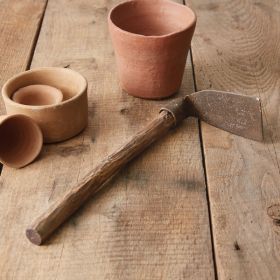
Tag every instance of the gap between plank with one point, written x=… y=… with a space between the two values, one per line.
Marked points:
x=205 y=173
x=36 y=37
x=204 y=170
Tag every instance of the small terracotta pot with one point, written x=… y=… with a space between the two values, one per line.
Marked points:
x=38 y=95
x=21 y=140
x=151 y=39
x=60 y=121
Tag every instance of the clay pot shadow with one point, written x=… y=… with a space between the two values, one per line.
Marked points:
x=21 y=140
x=151 y=40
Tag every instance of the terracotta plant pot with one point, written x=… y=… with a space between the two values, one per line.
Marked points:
x=151 y=39
x=21 y=140
x=60 y=121
x=38 y=95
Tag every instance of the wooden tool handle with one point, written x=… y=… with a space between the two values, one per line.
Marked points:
x=59 y=212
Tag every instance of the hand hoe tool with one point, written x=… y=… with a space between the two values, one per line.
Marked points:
x=232 y=112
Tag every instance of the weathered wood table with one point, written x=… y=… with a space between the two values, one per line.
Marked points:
x=195 y=205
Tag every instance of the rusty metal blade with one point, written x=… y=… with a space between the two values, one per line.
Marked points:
x=235 y=113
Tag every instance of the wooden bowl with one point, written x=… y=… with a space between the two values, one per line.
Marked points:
x=60 y=121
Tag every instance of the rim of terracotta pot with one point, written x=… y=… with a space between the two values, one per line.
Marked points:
x=8 y=99
x=39 y=139
x=192 y=22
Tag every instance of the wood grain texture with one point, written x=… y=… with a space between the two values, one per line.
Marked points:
x=96 y=179
x=152 y=220
x=237 y=48
x=20 y=22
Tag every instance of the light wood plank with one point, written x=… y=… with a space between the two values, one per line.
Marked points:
x=237 y=48
x=20 y=22
x=152 y=221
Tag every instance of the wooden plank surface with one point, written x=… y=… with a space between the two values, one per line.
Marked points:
x=20 y=21
x=237 y=48
x=152 y=221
